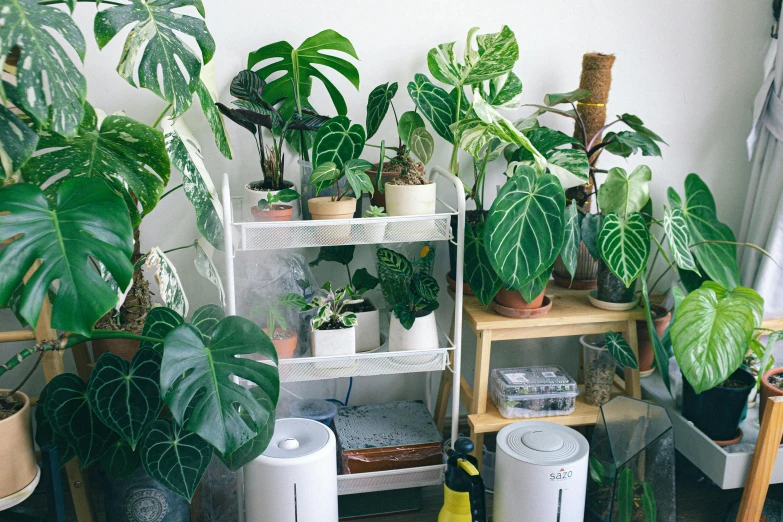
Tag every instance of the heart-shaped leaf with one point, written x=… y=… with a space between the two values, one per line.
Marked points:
x=174 y=457
x=17 y=142
x=207 y=318
x=625 y=193
x=166 y=64
x=120 y=460
x=409 y=122
x=157 y=325
x=572 y=237
x=362 y=281
x=422 y=144
x=621 y=350
x=255 y=446
x=435 y=104
x=197 y=373
x=337 y=141
x=479 y=274
x=396 y=263
x=405 y=315
x=679 y=238
x=357 y=177
x=624 y=245
x=378 y=105
x=85 y=221
x=126 y=396
x=337 y=254
x=68 y=409
x=324 y=175
x=534 y=288
x=45 y=434
x=528 y=210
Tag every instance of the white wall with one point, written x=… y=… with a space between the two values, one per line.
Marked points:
x=690 y=70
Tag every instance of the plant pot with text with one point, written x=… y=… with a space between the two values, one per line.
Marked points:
x=717 y=412
x=273 y=213
x=771 y=386
x=611 y=288
x=17 y=456
x=139 y=497
x=661 y=319
x=422 y=335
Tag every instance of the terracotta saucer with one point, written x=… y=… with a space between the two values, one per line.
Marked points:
x=528 y=313
x=453 y=285
x=735 y=440
x=646 y=373
x=612 y=307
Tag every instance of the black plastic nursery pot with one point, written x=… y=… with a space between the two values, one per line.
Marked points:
x=139 y=498
x=717 y=412
x=611 y=288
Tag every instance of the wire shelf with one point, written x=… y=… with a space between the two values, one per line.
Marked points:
x=386 y=480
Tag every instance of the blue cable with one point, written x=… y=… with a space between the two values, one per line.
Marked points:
x=347 y=395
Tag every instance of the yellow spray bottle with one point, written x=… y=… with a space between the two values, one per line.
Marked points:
x=463 y=492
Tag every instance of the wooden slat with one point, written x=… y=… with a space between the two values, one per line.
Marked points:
x=633 y=388
x=13 y=336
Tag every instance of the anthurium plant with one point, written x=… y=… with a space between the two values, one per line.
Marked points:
x=420 y=289
x=336 y=149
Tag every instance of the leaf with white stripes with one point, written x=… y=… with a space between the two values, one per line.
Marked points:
x=679 y=238
x=171 y=291
x=525 y=226
x=570 y=251
x=337 y=141
x=479 y=274
x=624 y=245
x=208 y=96
x=206 y=267
x=625 y=193
x=422 y=144
x=435 y=104
x=378 y=105
x=537 y=285
x=621 y=350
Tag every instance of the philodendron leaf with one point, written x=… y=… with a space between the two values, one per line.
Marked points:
x=534 y=288
x=422 y=144
x=166 y=64
x=68 y=409
x=50 y=88
x=637 y=124
x=157 y=325
x=207 y=93
x=574 y=96
x=206 y=267
x=120 y=460
x=505 y=91
x=409 y=122
x=570 y=165
x=624 y=245
x=17 y=142
x=528 y=210
x=625 y=193
x=572 y=237
x=255 y=446
x=625 y=143
x=378 y=105
x=435 y=104
x=128 y=155
x=679 y=238
x=479 y=274
x=170 y=287
x=126 y=396
x=621 y=350
x=337 y=141
x=186 y=156
x=357 y=177
x=591 y=227
x=175 y=457
x=198 y=373
x=86 y=220
x=712 y=333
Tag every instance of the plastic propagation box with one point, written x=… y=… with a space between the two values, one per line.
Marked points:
x=538 y=391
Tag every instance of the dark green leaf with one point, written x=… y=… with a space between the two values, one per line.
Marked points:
x=363 y=281
x=538 y=284
x=337 y=141
x=158 y=323
x=409 y=122
x=405 y=315
x=120 y=460
x=648 y=503
x=660 y=351
x=394 y=262
x=426 y=287
x=435 y=104
x=45 y=434
x=591 y=227
x=624 y=245
x=255 y=446
x=621 y=350
x=625 y=495
x=247 y=86
x=378 y=105
x=545 y=139
x=17 y=142
x=337 y=254
x=638 y=125
x=574 y=96
x=626 y=143
x=570 y=251
x=479 y=274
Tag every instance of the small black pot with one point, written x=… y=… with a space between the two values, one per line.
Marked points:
x=611 y=288
x=717 y=412
x=139 y=498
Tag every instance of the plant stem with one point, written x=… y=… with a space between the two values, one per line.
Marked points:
x=192 y=245
x=655 y=284
x=581 y=123
x=162 y=114
x=27 y=377
x=453 y=166
x=170 y=191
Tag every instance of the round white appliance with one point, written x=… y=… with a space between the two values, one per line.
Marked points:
x=540 y=473
x=295 y=479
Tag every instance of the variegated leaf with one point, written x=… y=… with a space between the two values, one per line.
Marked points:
x=679 y=238
x=17 y=142
x=505 y=91
x=378 y=105
x=570 y=165
x=624 y=245
x=435 y=104
x=570 y=251
x=422 y=144
x=171 y=291
x=205 y=267
x=121 y=294
x=208 y=96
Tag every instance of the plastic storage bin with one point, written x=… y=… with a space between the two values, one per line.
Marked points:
x=538 y=391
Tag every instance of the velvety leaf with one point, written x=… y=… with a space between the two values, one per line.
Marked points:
x=174 y=457
x=206 y=319
x=337 y=141
x=198 y=373
x=624 y=245
x=537 y=285
x=207 y=93
x=621 y=350
x=17 y=142
x=528 y=210
x=157 y=325
x=572 y=237
x=126 y=396
x=206 y=267
x=422 y=144
x=50 y=88
x=435 y=104
x=409 y=122
x=357 y=177
x=92 y=221
x=574 y=96
x=337 y=254
x=396 y=263
x=45 y=434
x=166 y=64
x=171 y=291
x=255 y=446
x=478 y=271
x=120 y=460
x=679 y=239
x=378 y=105
x=624 y=193
x=591 y=227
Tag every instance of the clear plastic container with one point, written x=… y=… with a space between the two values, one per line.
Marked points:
x=599 y=366
x=538 y=391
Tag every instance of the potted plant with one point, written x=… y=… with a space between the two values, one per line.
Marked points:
x=17 y=452
x=367 y=328
x=600 y=355
x=273 y=207
x=333 y=326
x=284 y=340
x=413 y=325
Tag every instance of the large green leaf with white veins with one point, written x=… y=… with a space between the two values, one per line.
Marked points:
x=435 y=104
x=186 y=156
x=570 y=165
x=207 y=93
x=624 y=245
x=157 y=325
x=17 y=142
x=126 y=396
x=718 y=259
x=572 y=237
x=621 y=350
x=85 y=220
x=69 y=411
x=166 y=64
x=45 y=434
x=170 y=288
x=537 y=285
x=712 y=332
x=525 y=226
x=50 y=88
x=197 y=372
x=175 y=457
x=129 y=156
x=378 y=105
x=422 y=144
x=679 y=238
x=625 y=193
x=120 y=460
x=255 y=446
x=337 y=141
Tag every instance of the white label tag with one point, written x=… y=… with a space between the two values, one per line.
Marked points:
x=549 y=375
x=516 y=378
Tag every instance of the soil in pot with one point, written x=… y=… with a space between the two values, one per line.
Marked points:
x=264 y=186
x=364 y=306
x=611 y=289
x=410 y=194
x=8 y=406
x=717 y=412
x=390 y=172
x=599 y=366
x=514 y=299
x=661 y=319
x=276 y=213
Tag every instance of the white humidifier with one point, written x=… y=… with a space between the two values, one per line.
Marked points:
x=295 y=479
x=540 y=473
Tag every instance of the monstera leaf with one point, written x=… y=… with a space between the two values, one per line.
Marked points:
x=45 y=71
x=129 y=156
x=69 y=411
x=155 y=47
x=175 y=457
x=207 y=93
x=255 y=446
x=378 y=105
x=85 y=221
x=624 y=245
x=528 y=210
x=679 y=238
x=337 y=141
x=712 y=332
x=126 y=396
x=197 y=372
x=479 y=274
x=435 y=104
x=572 y=237
x=17 y=142
x=625 y=193
x=170 y=287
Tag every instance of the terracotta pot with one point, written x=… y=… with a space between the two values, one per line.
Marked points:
x=276 y=213
x=17 y=456
x=285 y=348
x=453 y=285
x=124 y=348
x=251 y=196
x=378 y=199
x=325 y=208
x=514 y=299
x=767 y=390
x=661 y=322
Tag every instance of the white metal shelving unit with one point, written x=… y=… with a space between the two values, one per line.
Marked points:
x=246 y=236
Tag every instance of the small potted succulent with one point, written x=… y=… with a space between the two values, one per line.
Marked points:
x=367 y=330
x=377 y=231
x=284 y=340
x=274 y=208
x=413 y=325
x=333 y=326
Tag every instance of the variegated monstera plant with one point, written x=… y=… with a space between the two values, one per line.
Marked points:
x=75 y=185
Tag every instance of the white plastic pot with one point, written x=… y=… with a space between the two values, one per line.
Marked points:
x=368 y=333
x=410 y=200
x=325 y=343
x=423 y=335
x=250 y=199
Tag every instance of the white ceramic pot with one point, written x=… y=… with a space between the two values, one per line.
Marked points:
x=325 y=343
x=410 y=200
x=423 y=335
x=368 y=333
x=250 y=199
